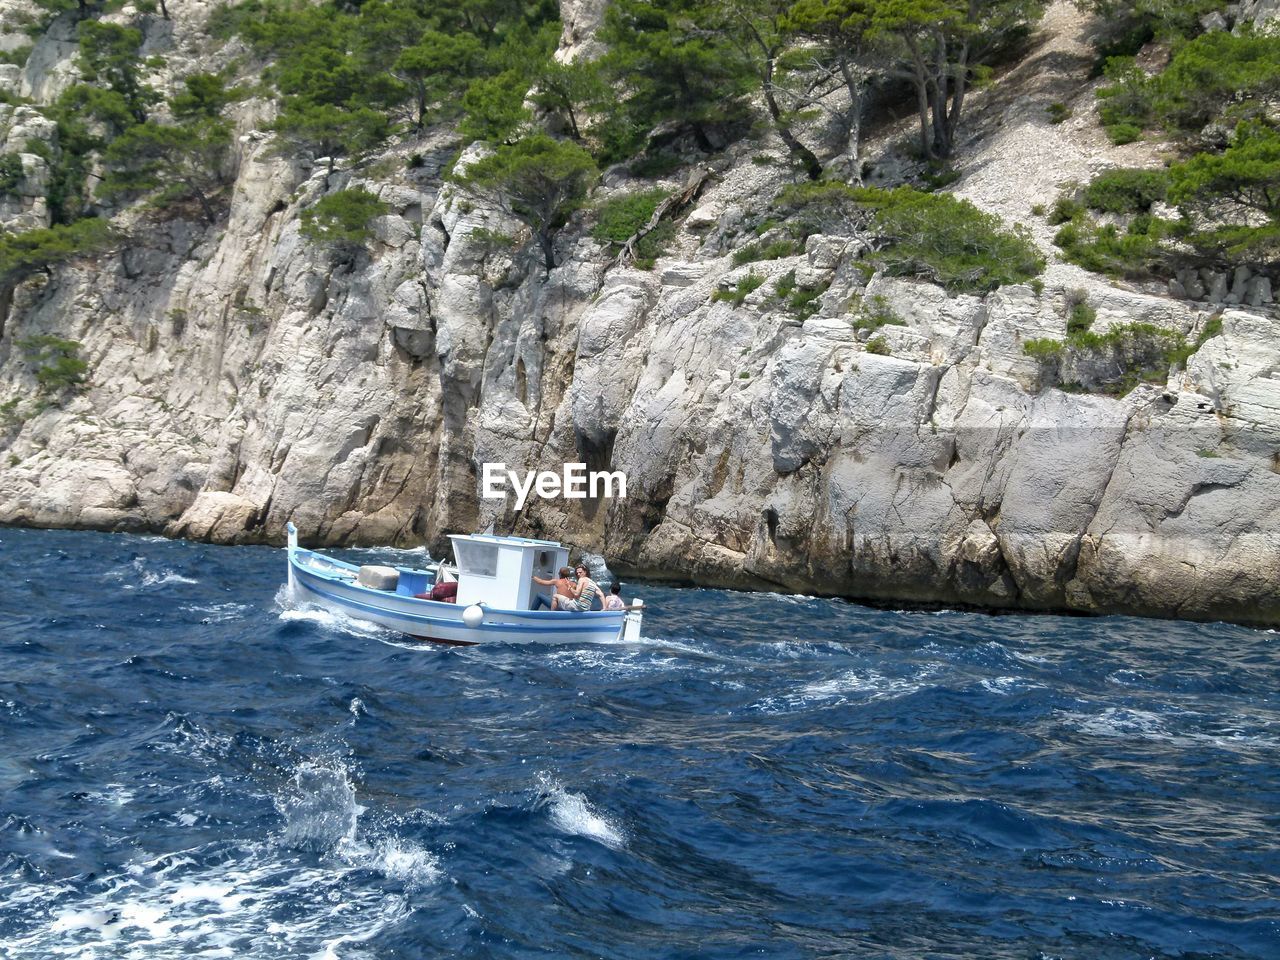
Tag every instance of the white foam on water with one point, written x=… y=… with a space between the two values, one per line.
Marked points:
x=246 y=899
x=416 y=552
x=218 y=612
x=165 y=576
x=869 y=684
x=330 y=620
x=136 y=574
x=618 y=663
x=1005 y=686
x=860 y=686
x=113 y=794
x=1128 y=723
x=571 y=813
x=677 y=645
x=320 y=810
x=792 y=598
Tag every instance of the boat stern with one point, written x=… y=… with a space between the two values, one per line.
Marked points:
x=631 y=622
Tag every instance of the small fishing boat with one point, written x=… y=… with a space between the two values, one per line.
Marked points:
x=494 y=599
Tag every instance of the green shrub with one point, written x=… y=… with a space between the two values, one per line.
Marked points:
x=1140 y=353
x=949 y=241
x=11 y=175
x=1126 y=190
x=1136 y=252
x=786 y=284
x=874 y=312
x=774 y=250
x=803 y=302
x=932 y=235
x=57 y=364
x=618 y=218
x=878 y=346
x=493 y=239
x=1058 y=112
x=737 y=294
x=654 y=244
x=1122 y=133
x=822 y=206
x=17 y=56
x=1128 y=100
x=342 y=220
x=940 y=179
x=1080 y=319
x=1065 y=208
x=1043 y=349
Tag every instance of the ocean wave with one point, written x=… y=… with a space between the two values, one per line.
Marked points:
x=571 y=813
x=1128 y=723
x=248 y=898
x=863 y=685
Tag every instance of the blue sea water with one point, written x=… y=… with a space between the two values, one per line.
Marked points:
x=192 y=767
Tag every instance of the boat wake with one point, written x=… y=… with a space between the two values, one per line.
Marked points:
x=295 y=611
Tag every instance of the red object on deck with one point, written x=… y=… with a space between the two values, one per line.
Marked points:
x=442 y=592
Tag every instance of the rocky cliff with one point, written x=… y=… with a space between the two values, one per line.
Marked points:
x=239 y=378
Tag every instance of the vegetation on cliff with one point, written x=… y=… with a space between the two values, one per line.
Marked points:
x=669 y=76
x=1214 y=102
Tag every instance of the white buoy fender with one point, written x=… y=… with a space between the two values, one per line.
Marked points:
x=473 y=616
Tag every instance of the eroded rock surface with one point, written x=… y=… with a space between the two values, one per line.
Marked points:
x=241 y=378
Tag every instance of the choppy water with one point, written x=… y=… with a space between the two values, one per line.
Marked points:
x=188 y=768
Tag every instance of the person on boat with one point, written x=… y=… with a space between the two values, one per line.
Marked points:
x=563 y=590
x=614 y=600
x=584 y=592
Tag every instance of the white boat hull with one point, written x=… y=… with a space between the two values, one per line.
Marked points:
x=318 y=579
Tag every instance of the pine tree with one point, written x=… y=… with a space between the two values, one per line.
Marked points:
x=671 y=68
x=177 y=163
x=842 y=51
x=758 y=30
x=1234 y=196
x=938 y=45
x=330 y=131
x=341 y=221
x=435 y=69
x=538 y=180
x=494 y=108
x=109 y=55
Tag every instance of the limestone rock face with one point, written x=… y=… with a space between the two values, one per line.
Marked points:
x=241 y=377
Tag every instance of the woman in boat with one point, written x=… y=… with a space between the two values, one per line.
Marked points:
x=584 y=592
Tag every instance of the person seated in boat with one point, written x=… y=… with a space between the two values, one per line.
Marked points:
x=584 y=592
x=614 y=600
x=563 y=587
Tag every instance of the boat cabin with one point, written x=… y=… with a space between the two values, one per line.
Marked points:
x=499 y=571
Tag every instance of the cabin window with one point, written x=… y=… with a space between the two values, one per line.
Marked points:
x=476 y=559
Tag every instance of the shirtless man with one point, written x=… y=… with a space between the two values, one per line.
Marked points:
x=563 y=588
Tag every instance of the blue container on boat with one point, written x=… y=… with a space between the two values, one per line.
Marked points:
x=413 y=582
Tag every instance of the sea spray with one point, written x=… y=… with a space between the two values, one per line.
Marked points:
x=571 y=813
x=320 y=809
